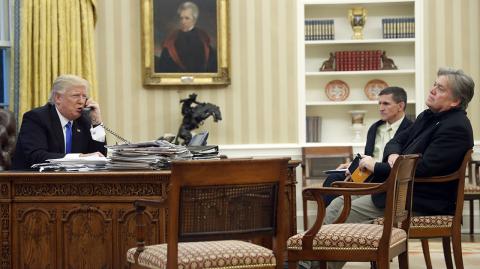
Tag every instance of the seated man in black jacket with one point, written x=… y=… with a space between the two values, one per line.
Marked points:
x=59 y=127
x=442 y=134
x=392 y=103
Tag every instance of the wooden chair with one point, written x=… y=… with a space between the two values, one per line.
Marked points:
x=447 y=227
x=472 y=189
x=224 y=200
x=358 y=241
x=309 y=154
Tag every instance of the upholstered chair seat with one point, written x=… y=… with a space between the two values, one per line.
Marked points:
x=213 y=254
x=472 y=188
x=426 y=222
x=348 y=236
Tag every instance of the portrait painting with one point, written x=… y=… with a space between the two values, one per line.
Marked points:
x=185 y=42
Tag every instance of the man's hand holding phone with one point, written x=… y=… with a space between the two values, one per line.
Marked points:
x=94 y=113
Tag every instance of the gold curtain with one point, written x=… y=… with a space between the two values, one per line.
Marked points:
x=56 y=37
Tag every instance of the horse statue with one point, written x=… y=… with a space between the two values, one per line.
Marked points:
x=194 y=116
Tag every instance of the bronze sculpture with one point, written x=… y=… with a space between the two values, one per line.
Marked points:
x=194 y=116
x=328 y=65
x=387 y=63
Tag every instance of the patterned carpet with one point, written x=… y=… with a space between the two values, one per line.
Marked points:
x=471 y=257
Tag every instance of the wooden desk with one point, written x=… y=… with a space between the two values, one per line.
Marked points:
x=83 y=220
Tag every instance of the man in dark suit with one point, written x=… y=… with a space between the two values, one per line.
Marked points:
x=59 y=127
x=392 y=103
x=442 y=134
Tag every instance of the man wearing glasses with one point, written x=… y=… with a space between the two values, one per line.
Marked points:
x=60 y=127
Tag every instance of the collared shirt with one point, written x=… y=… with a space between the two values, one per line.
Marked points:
x=385 y=132
x=98 y=132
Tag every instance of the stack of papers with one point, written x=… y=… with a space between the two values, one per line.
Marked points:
x=156 y=154
x=73 y=163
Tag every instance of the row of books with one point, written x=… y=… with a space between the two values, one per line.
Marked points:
x=319 y=29
x=398 y=27
x=358 y=60
x=316 y=29
x=314 y=129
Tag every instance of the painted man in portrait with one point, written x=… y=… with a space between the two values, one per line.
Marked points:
x=187 y=49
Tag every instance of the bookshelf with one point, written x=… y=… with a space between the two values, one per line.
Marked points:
x=335 y=116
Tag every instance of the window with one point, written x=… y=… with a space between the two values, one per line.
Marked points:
x=5 y=50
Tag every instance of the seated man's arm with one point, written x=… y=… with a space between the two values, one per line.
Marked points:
x=33 y=140
x=445 y=152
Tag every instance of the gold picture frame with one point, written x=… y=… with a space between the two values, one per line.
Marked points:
x=161 y=24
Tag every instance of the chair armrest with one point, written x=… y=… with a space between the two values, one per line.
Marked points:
x=348 y=184
x=365 y=189
x=140 y=206
x=317 y=193
x=437 y=179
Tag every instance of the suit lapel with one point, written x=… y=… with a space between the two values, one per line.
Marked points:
x=77 y=137
x=57 y=129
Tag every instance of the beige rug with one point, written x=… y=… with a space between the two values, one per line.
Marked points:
x=471 y=257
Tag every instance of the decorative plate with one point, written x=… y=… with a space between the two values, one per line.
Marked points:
x=374 y=87
x=337 y=90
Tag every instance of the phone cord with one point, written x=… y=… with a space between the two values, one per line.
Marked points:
x=116 y=135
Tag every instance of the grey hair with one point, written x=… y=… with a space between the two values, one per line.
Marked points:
x=462 y=85
x=189 y=5
x=64 y=82
x=398 y=94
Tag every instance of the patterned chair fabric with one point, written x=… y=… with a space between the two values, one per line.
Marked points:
x=420 y=222
x=234 y=254
x=471 y=188
x=348 y=236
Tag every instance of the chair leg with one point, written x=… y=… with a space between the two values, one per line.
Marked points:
x=457 y=250
x=305 y=214
x=426 y=253
x=403 y=260
x=383 y=264
x=323 y=264
x=471 y=204
x=447 y=252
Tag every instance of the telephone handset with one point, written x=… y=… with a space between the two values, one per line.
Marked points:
x=87 y=110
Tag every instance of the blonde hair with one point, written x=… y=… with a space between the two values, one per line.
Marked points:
x=64 y=82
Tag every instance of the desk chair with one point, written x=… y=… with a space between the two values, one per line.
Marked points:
x=472 y=190
x=358 y=241
x=309 y=154
x=214 y=204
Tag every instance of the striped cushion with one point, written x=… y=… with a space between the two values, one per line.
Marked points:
x=347 y=236
x=426 y=221
x=228 y=254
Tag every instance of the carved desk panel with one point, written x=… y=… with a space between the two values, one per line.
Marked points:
x=83 y=220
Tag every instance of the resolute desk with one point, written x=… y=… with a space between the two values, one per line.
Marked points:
x=84 y=220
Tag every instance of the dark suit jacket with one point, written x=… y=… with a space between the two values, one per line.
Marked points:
x=372 y=133
x=41 y=138
x=442 y=139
